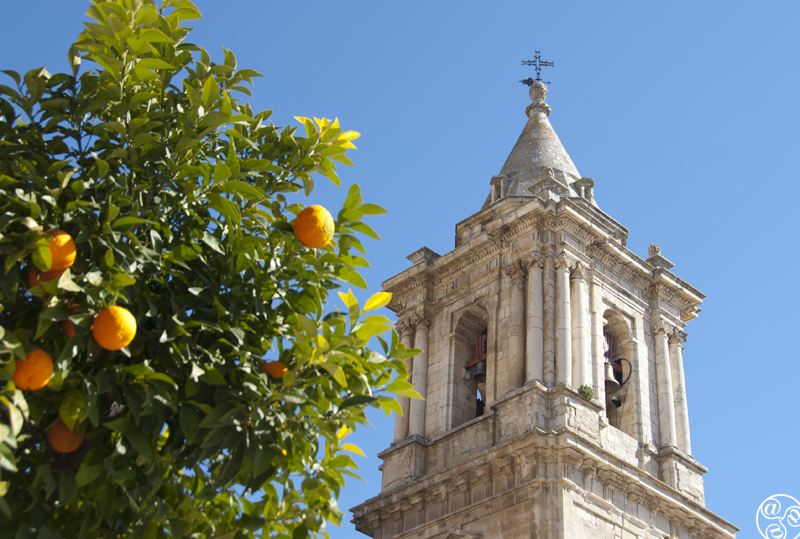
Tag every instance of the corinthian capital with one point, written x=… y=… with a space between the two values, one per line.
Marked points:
x=562 y=261
x=677 y=336
x=579 y=271
x=518 y=268
x=421 y=320
x=405 y=327
x=659 y=326
x=534 y=260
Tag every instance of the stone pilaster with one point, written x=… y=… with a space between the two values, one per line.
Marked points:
x=516 y=339
x=419 y=377
x=581 y=340
x=406 y=331
x=563 y=322
x=534 y=364
x=676 y=340
x=666 y=400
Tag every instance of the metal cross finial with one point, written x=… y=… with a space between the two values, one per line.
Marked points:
x=537 y=64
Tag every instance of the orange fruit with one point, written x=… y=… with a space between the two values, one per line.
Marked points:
x=314 y=226
x=62 y=251
x=34 y=371
x=62 y=439
x=68 y=327
x=34 y=279
x=114 y=328
x=276 y=369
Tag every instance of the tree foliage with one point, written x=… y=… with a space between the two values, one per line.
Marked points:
x=180 y=200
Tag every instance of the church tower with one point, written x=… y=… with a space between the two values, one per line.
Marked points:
x=552 y=370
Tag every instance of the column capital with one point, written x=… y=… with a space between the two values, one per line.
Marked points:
x=579 y=271
x=677 y=336
x=420 y=320
x=518 y=268
x=406 y=326
x=534 y=261
x=659 y=326
x=562 y=261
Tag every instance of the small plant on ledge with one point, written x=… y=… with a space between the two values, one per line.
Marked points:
x=586 y=392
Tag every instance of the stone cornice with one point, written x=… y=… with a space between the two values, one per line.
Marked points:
x=500 y=233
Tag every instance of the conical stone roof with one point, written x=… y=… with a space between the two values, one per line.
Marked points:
x=538 y=154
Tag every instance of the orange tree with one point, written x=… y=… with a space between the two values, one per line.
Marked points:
x=179 y=199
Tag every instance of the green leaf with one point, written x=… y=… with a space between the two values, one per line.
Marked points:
x=336 y=372
x=128 y=221
x=7 y=460
x=213 y=376
x=71 y=408
x=142 y=444
x=221 y=172
x=190 y=422
x=210 y=93
x=153 y=63
x=245 y=189
x=371 y=209
x=151 y=35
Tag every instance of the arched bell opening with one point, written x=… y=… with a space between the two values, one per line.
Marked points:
x=470 y=352
x=618 y=372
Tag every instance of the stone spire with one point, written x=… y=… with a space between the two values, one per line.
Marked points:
x=537 y=157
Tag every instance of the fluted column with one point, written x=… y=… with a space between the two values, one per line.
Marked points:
x=516 y=333
x=416 y=417
x=406 y=331
x=676 y=340
x=666 y=401
x=563 y=322
x=534 y=357
x=581 y=350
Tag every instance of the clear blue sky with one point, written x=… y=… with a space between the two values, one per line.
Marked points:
x=684 y=113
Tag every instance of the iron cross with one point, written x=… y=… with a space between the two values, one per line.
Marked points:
x=537 y=64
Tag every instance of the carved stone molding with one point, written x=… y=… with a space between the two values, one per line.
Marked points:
x=677 y=336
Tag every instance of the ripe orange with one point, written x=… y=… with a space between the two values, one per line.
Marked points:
x=114 y=328
x=276 y=369
x=34 y=279
x=314 y=226
x=62 y=251
x=68 y=327
x=34 y=371
x=62 y=439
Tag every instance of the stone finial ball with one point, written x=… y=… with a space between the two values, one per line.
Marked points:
x=653 y=250
x=538 y=91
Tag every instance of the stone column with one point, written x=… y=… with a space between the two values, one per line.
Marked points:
x=534 y=364
x=666 y=401
x=676 y=340
x=406 y=331
x=416 y=417
x=563 y=322
x=581 y=346
x=516 y=333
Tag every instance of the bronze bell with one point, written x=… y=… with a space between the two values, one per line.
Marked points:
x=480 y=372
x=611 y=383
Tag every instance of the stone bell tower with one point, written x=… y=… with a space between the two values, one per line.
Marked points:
x=552 y=370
